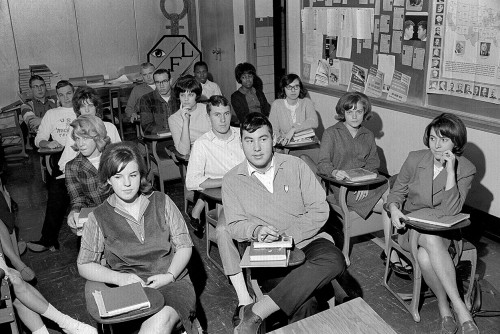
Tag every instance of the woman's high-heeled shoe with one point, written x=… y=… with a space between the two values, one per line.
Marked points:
x=469 y=327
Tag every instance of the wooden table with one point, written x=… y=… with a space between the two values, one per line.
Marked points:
x=353 y=317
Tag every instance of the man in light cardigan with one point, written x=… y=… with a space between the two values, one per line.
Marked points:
x=270 y=194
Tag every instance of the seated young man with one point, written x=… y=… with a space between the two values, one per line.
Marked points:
x=34 y=110
x=52 y=133
x=147 y=86
x=191 y=120
x=271 y=194
x=208 y=87
x=212 y=156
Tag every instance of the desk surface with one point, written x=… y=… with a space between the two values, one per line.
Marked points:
x=354 y=317
x=299 y=144
x=424 y=227
x=157 y=137
x=329 y=178
x=46 y=150
x=214 y=194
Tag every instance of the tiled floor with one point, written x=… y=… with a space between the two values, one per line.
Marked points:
x=59 y=282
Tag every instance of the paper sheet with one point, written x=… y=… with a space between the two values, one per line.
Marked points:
x=399 y=87
x=385 y=20
x=376 y=30
x=398 y=18
x=344 y=47
x=374 y=82
x=385 y=43
x=386 y=64
x=397 y=36
x=357 y=81
x=345 y=71
x=375 y=54
x=407 y=55
x=418 y=58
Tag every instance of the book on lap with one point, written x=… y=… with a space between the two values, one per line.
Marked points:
x=435 y=217
x=115 y=301
x=285 y=241
x=267 y=254
x=303 y=135
x=360 y=174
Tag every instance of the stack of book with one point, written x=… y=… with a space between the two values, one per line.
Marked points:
x=276 y=251
x=304 y=135
x=24 y=80
x=43 y=71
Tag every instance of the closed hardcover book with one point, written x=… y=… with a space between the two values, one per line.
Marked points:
x=164 y=133
x=284 y=241
x=360 y=174
x=267 y=254
x=120 y=300
x=303 y=135
x=435 y=217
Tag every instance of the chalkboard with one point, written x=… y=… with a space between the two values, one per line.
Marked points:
x=477 y=114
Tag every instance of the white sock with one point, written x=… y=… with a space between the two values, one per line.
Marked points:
x=240 y=287
x=265 y=307
x=67 y=324
x=41 y=330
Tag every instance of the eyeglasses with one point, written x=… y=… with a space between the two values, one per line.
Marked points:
x=164 y=82
x=293 y=88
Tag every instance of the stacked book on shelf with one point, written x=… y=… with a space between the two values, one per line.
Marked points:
x=304 y=135
x=24 y=80
x=43 y=71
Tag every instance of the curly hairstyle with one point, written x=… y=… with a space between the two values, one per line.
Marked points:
x=87 y=94
x=88 y=126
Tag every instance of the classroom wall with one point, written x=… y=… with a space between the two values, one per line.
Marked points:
x=78 y=37
x=398 y=133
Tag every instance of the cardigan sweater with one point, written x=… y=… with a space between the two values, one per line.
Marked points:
x=281 y=118
x=240 y=105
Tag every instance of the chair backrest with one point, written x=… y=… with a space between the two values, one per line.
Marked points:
x=9 y=124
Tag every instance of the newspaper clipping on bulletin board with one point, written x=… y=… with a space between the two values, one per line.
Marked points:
x=465 y=50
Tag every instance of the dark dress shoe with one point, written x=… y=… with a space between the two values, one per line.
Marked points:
x=237 y=315
x=383 y=257
x=40 y=246
x=250 y=323
x=399 y=269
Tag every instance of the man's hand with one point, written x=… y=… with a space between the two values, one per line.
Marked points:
x=267 y=233
x=157 y=281
x=126 y=279
x=134 y=117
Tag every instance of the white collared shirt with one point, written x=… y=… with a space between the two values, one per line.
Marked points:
x=266 y=178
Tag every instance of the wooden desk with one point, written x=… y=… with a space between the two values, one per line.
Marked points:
x=212 y=194
x=353 y=317
x=298 y=145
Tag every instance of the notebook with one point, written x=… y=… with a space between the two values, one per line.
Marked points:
x=435 y=217
x=284 y=241
x=120 y=300
x=360 y=174
x=267 y=254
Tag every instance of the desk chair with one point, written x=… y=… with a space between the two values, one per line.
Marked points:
x=465 y=252
x=159 y=164
x=7 y=313
x=12 y=143
x=353 y=224
x=211 y=220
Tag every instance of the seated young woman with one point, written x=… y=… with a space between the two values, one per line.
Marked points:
x=292 y=111
x=249 y=97
x=30 y=304
x=142 y=236
x=347 y=145
x=438 y=177
x=90 y=138
x=191 y=120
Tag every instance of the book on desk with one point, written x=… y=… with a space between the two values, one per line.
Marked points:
x=360 y=174
x=115 y=301
x=303 y=135
x=436 y=218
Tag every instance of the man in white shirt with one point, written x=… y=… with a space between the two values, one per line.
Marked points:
x=131 y=110
x=52 y=134
x=208 y=87
x=212 y=156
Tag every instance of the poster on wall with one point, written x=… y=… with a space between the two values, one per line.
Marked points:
x=465 y=50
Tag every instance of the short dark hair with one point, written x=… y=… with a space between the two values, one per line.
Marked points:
x=64 y=83
x=35 y=77
x=450 y=126
x=254 y=121
x=217 y=101
x=115 y=158
x=83 y=94
x=288 y=79
x=409 y=23
x=422 y=24
x=350 y=100
x=244 y=68
x=200 y=63
x=162 y=71
x=188 y=83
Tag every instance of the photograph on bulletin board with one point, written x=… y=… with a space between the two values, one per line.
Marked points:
x=466 y=51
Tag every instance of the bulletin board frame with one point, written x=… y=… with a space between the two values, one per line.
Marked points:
x=475 y=114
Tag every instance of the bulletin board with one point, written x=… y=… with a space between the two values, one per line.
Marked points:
x=411 y=57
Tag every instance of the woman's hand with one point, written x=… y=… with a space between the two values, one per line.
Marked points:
x=126 y=278
x=157 y=281
x=360 y=194
x=72 y=219
x=397 y=216
x=340 y=174
x=449 y=160
x=289 y=135
x=185 y=114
